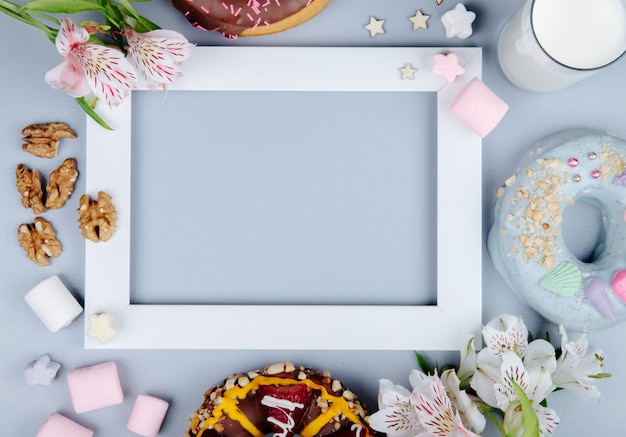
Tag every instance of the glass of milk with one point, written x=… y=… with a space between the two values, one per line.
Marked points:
x=550 y=44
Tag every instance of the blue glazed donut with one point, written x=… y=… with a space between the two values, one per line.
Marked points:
x=526 y=242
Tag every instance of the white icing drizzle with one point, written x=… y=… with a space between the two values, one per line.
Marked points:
x=358 y=428
x=281 y=404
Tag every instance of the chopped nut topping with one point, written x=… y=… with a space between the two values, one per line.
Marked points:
x=542 y=202
x=39 y=241
x=29 y=186
x=275 y=369
x=97 y=219
x=61 y=184
x=42 y=140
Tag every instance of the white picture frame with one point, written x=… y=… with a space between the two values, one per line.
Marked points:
x=358 y=327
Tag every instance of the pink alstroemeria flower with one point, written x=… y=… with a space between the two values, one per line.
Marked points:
x=90 y=67
x=157 y=55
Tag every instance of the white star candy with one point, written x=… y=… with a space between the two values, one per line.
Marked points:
x=375 y=27
x=419 y=20
x=408 y=72
x=101 y=327
x=458 y=22
x=41 y=371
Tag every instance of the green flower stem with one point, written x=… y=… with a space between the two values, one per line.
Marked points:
x=82 y=102
x=16 y=11
x=117 y=13
x=489 y=411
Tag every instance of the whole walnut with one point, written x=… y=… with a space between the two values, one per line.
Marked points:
x=97 y=218
x=39 y=241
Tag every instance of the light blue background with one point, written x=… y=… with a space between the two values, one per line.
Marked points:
x=326 y=199
x=182 y=376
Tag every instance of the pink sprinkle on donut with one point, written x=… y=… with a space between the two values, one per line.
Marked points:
x=573 y=162
x=596 y=174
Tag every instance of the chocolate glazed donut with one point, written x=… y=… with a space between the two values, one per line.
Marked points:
x=283 y=400
x=248 y=17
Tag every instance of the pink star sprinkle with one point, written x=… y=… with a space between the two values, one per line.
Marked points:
x=448 y=66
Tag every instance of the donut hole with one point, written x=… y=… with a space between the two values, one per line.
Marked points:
x=584 y=232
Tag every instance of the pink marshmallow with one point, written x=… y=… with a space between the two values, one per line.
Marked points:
x=147 y=415
x=479 y=107
x=60 y=426
x=95 y=387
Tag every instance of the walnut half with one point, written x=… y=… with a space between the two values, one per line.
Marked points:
x=97 y=219
x=61 y=184
x=42 y=140
x=29 y=186
x=39 y=241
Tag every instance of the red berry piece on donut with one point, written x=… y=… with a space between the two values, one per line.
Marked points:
x=284 y=406
x=280 y=400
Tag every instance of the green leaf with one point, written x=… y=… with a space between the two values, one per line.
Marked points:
x=426 y=368
x=529 y=417
x=62 y=6
x=142 y=23
x=82 y=102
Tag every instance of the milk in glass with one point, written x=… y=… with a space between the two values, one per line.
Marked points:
x=550 y=44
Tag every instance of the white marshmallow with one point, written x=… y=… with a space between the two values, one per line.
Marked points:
x=52 y=302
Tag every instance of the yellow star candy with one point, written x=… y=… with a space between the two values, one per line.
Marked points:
x=101 y=327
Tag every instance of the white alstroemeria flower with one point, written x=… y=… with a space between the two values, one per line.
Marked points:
x=539 y=355
x=396 y=415
x=576 y=369
x=513 y=422
x=434 y=409
x=90 y=68
x=470 y=415
x=506 y=333
x=158 y=55
x=468 y=360
x=536 y=382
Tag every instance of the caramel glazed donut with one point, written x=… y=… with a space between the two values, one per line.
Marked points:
x=526 y=244
x=235 y=18
x=281 y=399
